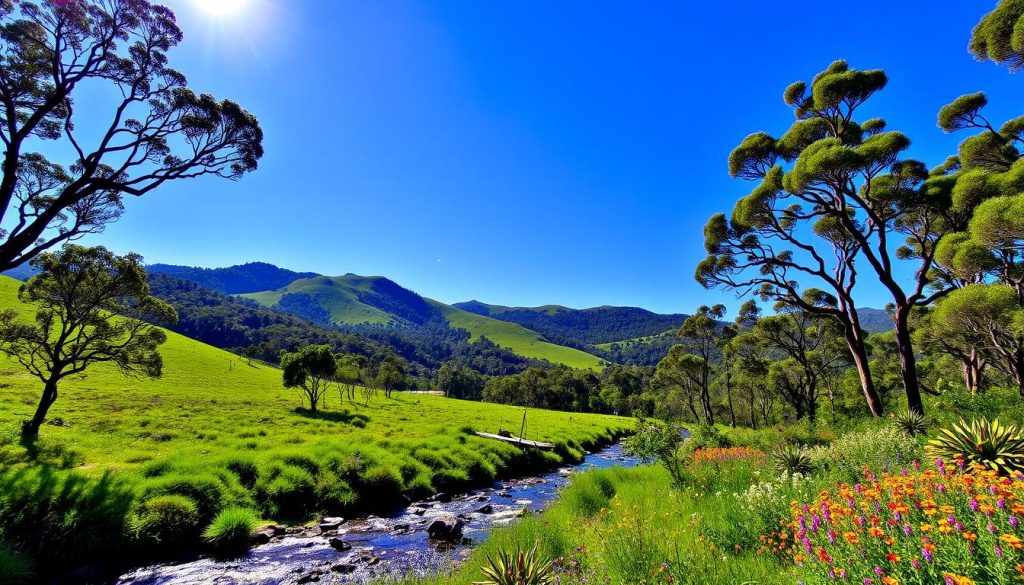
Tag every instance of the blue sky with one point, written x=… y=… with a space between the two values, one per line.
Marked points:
x=526 y=152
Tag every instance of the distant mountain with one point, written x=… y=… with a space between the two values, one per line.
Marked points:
x=353 y=300
x=233 y=280
x=598 y=325
x=874 y=320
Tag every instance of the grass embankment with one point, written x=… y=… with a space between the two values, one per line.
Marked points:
x=219 y=432
x=864 y=512
x=518 y=339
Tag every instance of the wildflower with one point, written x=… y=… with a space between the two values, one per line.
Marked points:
x=892 y=557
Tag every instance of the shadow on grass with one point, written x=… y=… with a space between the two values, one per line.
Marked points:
x=50 y=454
x=344 y=417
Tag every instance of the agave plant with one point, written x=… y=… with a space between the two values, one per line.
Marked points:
x=792 y=459
x=518 y=568
x=912 y=423
x=996 y=446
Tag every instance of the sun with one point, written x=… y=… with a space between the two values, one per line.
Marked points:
x=221 y=8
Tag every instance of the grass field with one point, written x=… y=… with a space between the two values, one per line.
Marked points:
x=338 y=295
x=222 y=432
x=517 y=338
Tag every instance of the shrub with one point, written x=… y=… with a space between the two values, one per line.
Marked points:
x=792 y=459
x=518 y=568
x=245 y=469
x=910 y=422
x=169 y=520
x=708 y=436
x=662 y=442
x=287 y=492
x=381 y=487
x=231 y=530
x=884 y=448
x=206 y=490
x=988 y=443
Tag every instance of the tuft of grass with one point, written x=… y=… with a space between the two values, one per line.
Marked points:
x=167 y=520
x=230 y=532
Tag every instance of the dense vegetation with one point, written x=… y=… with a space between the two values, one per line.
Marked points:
x=581 y=327
x=233 y=280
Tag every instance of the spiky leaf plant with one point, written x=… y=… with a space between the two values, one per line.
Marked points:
x=518 y=568
x=911 y=422
x=792 y=459
x=995 y=446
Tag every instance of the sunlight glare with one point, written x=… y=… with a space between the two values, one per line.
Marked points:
x=221 y=8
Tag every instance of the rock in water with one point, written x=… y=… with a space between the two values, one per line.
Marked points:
x=339 y=544
x=446 y=527
x=330 y=523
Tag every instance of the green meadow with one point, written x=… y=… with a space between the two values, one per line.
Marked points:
x=223 y=432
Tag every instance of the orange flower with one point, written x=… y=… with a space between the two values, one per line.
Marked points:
x=893 y=557
x=1012 y=541
x=970 y=536
x=851 y=538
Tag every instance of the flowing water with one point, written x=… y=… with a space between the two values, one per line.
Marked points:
x=380 y=546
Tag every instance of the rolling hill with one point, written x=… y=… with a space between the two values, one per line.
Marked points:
x=243 y=278
x=375 y=300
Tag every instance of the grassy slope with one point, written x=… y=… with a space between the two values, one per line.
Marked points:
x=608 y=346
x=337 y=295
x=210 y=405
x=517 y=338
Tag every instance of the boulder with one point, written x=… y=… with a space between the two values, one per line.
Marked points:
x=418 y=511
x=263 y=535
x=330 y=523
x=485 y=509
x=311 y=577
x=446 y=527
x=401 y=527
x=344 y=568
x=441 y=497
x=339 y=544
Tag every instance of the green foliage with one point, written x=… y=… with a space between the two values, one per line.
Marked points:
x=205 y=491
x=909 y=422
x=985 y=442
x=168 y=520
x=231 y=530
x=963 y=112
x=518 y=568
x=791 y=459
x=1000 y=35
x=704 y=436
x=877 y=447
x=661 y=442
x=310 y=369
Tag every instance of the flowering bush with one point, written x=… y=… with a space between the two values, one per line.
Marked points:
x=956 y=525
x=719 y=455
x=884 y=449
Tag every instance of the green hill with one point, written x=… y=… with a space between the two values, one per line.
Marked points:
x=356 y=300
x=344 y=298
x=517 y=338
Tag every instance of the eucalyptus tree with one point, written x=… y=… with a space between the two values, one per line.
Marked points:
x=350 y=372
x=995 y=313
x=834 y=198
x=311 y=370
x=680 y=375
x=808 y=346
x=963 y=344
x=1000 y=35
x=152 y=129
x=91 y=307
x=703 y=337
